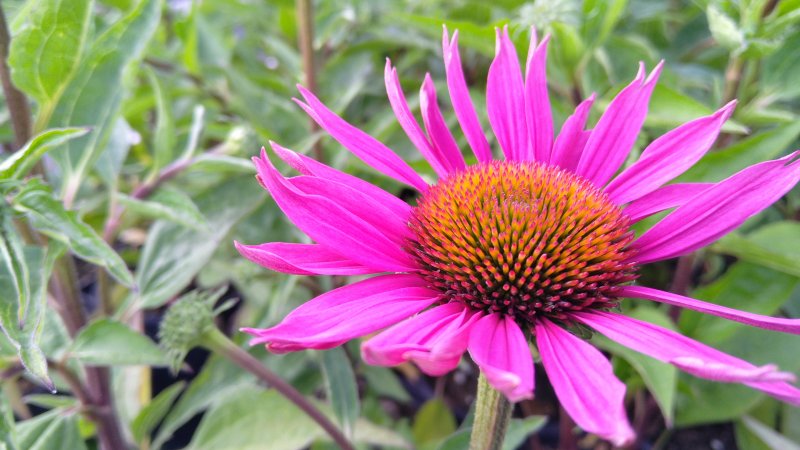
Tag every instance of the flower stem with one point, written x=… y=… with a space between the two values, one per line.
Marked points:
x=219 y=343
x=492 y=414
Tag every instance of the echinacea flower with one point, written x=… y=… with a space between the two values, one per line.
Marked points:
x=525 y=246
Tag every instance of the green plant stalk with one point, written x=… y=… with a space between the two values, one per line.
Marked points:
x=492 y=415
x=217 y=342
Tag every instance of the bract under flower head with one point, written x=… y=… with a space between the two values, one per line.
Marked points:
x=538 y=240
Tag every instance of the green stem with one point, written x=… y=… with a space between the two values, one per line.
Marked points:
x=219 y=343
x=492 y=415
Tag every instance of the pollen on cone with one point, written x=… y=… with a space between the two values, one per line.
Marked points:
x=523 y=239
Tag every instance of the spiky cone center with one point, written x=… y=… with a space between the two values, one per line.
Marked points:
x=524 y=239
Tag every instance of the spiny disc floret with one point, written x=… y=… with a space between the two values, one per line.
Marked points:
x=522 y=239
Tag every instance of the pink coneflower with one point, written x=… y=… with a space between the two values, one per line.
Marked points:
x=525 y=246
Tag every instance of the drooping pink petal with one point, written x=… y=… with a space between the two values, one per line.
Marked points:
x=584 y=383
x=364 y=146
x=718 y=210
x=537 y=100
x=340 y=218
x=443 y=141
x=301 y=259
x=505 y=101
x=572 y=139
x=462 y=103
x=405 y=117
x=309 y=166
x=434 y=340
x=498 y=346
x=668 y=156
x=689 y=355
x=613 y=137
x=664 y=198
x=346 y=313
x=791 y=326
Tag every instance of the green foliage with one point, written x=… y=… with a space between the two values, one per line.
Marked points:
x=136 y=179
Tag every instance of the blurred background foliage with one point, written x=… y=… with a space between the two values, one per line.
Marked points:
x=136 y=122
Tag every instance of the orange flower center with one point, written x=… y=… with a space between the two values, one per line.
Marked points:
x=522 y=239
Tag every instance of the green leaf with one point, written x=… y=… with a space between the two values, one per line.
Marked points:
x=8 y=432
x=103 y=69
x=12 y=314
x=223 y=163
x=22 y=322
x=660 y=378
x=152 y=414
x=432 y=424
x=106 y=342
x=340 y=386
x=111 y=159
x=251 y=417
x=385 y=383
x=770 y=437
x=775 y=246
x=600 y=18
x=20 y=163
x=520 y=429
x=54 y=430
x=745 y=286
x=718 y=165
x=168 y=204
x=49 y=216
x=164 y=133
x=173 y=255
x=670 y=108
x=724 y=29
x=45 y=54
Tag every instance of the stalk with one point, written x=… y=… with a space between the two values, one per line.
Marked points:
x=492 y=415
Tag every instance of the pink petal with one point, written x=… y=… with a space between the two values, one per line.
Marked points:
x=443 y=141
x=498 y=346
x=462 y=103
x=302 y=259
x=689 y=355
x=791 y=326
x=537 y=100
x=616 y=131
x=340 y=218
x=584 y=383
x=364 y=146
x=434 y=340
x=505 y=101
x=572 y=139
x=347 y=312
x=664 y=198
x=409 y=124
x=668 y=156
x=718 y=210
x=311 y=167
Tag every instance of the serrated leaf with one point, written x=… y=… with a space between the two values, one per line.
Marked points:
x=152 y=414
x=49 y=216
x=168 y=204
x=20 y=162
x=340 y=386
x=106 y=342
x=47 y=51
x=173 y=255
x=102 y=69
